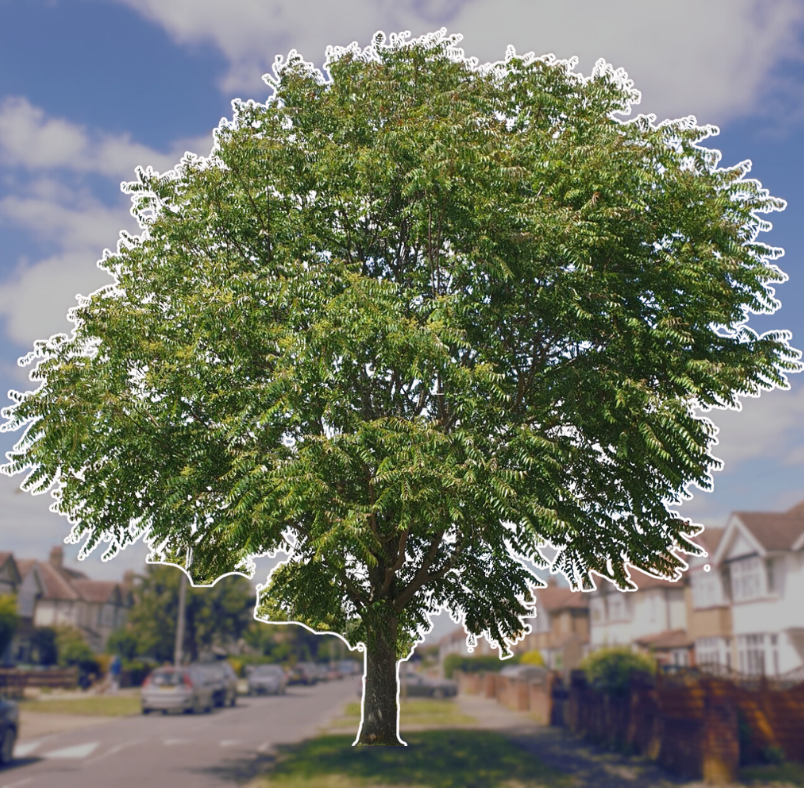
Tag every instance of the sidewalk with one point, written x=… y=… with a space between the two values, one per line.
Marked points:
x=592 y=767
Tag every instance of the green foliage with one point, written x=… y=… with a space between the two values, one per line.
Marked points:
x=408 y=326
x=136 y=670
x=488 y=663
x=43 y=646
x=123 y=642
x=73 y=650
x=610 y=669
x=532 y=658
x=215 y=616
x=8 y=620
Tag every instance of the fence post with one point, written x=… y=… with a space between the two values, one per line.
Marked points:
x=721 y=743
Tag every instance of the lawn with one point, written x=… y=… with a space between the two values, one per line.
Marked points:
x=783 y=774
x=90 y=705
x=435 y=759
x=412 y=713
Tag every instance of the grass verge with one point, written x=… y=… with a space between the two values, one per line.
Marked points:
x=412 y=713
x=436 y=759
x=93 y=705
x=787 y=774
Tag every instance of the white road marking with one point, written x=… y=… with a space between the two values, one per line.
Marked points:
x=264 y=747
x=229 y=742
x=171 y=742
x=18 y=783
x=78 y=751
x=21 y=750
x=113 y=751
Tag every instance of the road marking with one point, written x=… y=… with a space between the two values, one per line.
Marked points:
x=18 y=783
x=264 y=747
x=229 y=742
x=171 y=742
x=21 y=750
x=78 y=751
x=114 y=750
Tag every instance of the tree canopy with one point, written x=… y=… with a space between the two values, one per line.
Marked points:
x=410 y=323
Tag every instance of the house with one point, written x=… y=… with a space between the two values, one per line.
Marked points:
x=709 y=613
x=52 y=595
x=652 y=618
x=9 y=574
x=455 y=643
x=561 y=628
x=761 y=556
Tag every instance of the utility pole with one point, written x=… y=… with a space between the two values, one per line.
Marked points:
x=177 y=655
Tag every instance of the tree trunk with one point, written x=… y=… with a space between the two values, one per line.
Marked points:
x=380 y=723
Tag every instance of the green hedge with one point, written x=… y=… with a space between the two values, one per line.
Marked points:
x=609 y=669
x=489 y=663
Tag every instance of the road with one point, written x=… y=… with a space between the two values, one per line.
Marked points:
x=225 y=748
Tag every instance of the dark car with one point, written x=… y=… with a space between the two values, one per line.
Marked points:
x=270 y=679
x=222 y=678
x=303 y=673
x=9 y=727
x=416 y=685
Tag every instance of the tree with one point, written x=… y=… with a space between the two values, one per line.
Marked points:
x=408 y=324
x=74 y=651
x=214 y=616
x=8 y=621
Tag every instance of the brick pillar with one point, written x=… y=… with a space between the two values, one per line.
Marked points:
x=721 y=743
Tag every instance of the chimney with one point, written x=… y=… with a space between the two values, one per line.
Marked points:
x=56 y=559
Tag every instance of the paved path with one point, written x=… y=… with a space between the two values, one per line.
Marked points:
x=592 y=767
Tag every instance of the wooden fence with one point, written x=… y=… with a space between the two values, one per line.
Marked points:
x=13 y=682
x=694 y=724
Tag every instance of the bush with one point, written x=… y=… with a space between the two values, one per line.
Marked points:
x=124 y=643
x=8 y=620
x=532 y=658
x=609 y=669
x=73 y=651
x=487 y=662
x=43 y=646
x=136 y=672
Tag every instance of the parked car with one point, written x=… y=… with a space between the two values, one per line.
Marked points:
x=303 y=673
x=9 y=727
x=525 y=672
x=177 y=689
x=223 y=679
x=348 y=667
x=270 y=679
x=418 y=685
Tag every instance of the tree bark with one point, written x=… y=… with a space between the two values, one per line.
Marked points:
x=380 y=723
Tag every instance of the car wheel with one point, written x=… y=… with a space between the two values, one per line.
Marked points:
x=7 y=746
x=439 y=694
x=145 y=711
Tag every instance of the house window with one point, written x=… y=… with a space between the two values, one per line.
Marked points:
x=705 y=589
x=712 y=651
x=751 y=654
x=745 y=579
x=617 y=606
x=598 y=610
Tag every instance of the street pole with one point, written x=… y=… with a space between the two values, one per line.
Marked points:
x=177 y=655
x=180 y=624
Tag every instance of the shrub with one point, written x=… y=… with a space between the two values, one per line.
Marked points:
x=532 y=658
x=43 y=646
x=8 y=620
x=609 y=670
x=486 y=662
x=124 y=643
x=136 y=672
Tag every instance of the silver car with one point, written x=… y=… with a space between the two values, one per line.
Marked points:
x=266 y=679
x=177 y=689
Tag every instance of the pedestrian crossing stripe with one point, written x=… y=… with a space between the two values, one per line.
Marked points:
x=78 y=751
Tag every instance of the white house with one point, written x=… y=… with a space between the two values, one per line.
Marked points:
x=653 y=618
x=762 y=559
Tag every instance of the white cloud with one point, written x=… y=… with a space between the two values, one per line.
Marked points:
x=31 y=139
x=768 y=428
x=709 y=59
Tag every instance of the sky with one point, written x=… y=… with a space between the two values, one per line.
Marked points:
x=89 y=89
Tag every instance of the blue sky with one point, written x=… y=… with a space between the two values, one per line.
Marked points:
x=91 y=88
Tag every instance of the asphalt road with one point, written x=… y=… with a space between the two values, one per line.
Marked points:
x=225 y=748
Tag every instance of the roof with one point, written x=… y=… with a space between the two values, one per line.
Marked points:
x=709 y=539
x=25 y=565
x=57 y=585
x=774 y=531
x=669 y=639
x=558 y=598
x=95 y=590
x=5 y=558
